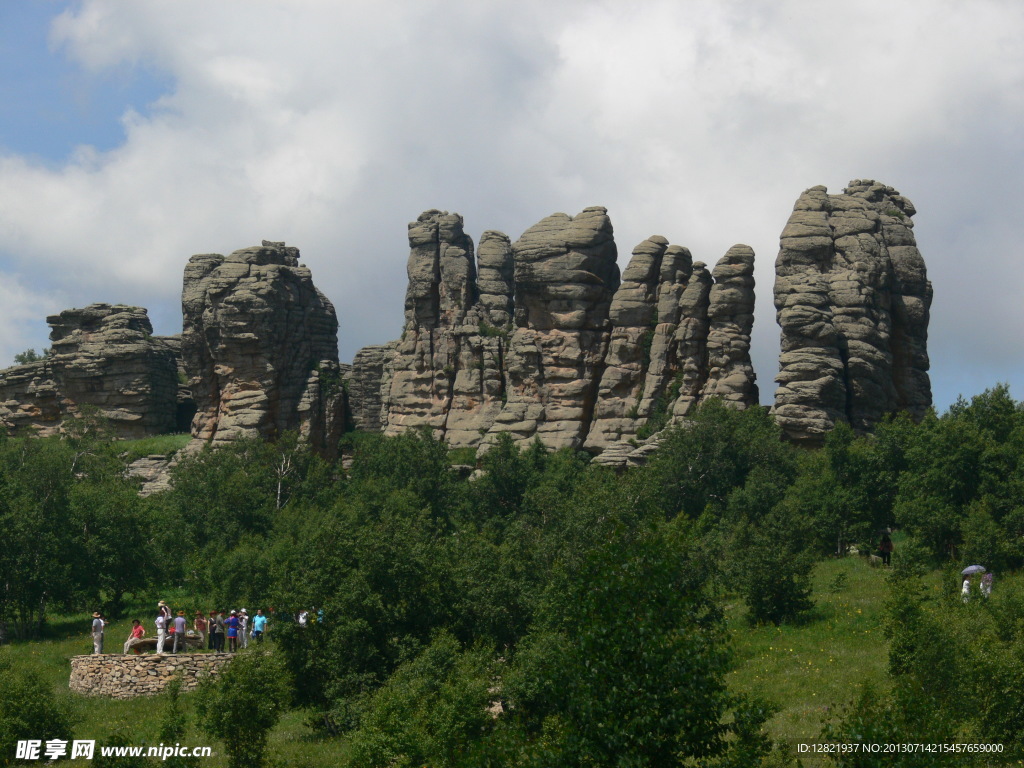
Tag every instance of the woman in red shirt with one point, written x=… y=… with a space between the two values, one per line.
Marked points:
x=138 y=632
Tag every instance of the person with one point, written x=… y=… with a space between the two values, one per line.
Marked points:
x=259 y=625
x=209 y=625
x=243 y=625
x=885 y=547
x=965 y=590
x=217 y=631
x=97 y=632
x=986 y=585
x=179 y=632
x=137 y=633
x=303 y=618
x=162 y=606
x=161 y=631
x=232 y=626
x=200 y=626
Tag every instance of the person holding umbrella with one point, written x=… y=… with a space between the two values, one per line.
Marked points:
x=967 y=572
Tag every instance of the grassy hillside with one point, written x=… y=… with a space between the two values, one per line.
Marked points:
x=807 y=670
x=139 y=720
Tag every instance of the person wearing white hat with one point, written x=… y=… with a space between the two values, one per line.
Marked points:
x=162 y=614
x=97 y=632
x=243 y=624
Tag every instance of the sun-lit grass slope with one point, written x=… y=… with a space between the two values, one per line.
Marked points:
x=811 y=668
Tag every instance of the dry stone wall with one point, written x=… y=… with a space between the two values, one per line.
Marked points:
x=852 y=298
x=129 y=676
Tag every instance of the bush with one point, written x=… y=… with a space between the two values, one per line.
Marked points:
x=429 y=712
x=242 y=704
x=29 y=710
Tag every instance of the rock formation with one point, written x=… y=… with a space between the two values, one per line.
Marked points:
x=852 y=299
x=103 y=356
x=260 y=347
x=545 y=343
x=364 y=378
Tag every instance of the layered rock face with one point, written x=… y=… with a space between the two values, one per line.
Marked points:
x=538 y=339
x=103 y=356
x=852 y=298
x=260 y=348
x=364 y=378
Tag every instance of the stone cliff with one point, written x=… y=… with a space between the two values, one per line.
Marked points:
x=103 y=356
x=260 y=348
x=852 y=299
x=541 y=339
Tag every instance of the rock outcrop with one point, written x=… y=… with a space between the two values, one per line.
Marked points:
x=363 y=379
x=104 y=356
x=260 y=348
x=852 y=299
x=539 y=340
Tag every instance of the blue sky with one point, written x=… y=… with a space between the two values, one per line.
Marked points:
x=51 y=105
x=136 y=134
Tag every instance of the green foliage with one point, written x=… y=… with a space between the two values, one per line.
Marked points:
x=174 y=725
x=242 y=704
x=431 y=711
x=489 y=331
x=626 y=663
x=30 y=356
x=957 y=674
x=29 y=710
x=770 y=568
x=466 y=455
x=700 y=463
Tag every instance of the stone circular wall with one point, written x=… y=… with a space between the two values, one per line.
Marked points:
x=128 y=676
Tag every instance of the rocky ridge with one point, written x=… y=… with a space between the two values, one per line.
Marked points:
x=852 y=298
x=104 y=356
x=542 y=339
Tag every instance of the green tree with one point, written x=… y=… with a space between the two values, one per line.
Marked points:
x=700 y=463
x=30 y=356
x=242 y=703
x=174 y=725
x=626 y=664
x=431 y=711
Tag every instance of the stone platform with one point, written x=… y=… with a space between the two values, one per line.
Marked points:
x=120 y=676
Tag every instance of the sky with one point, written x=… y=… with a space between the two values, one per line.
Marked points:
x=133 y=135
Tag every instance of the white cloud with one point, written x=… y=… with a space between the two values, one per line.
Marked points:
x=331 y=125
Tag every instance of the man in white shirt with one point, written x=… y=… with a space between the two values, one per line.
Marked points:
x=161 y=632
x=97 y=632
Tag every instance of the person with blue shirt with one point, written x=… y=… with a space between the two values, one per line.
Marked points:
x=259 y=625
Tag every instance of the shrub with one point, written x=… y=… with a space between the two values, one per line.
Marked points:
x=429 y=712
x=242 y=704
x=29 y=710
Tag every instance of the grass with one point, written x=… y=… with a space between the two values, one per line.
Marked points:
x=163 y=445
x=810 y=670
x=465 y=455
x=139 y=719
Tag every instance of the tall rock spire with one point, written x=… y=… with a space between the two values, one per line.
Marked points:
x=852 y=299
